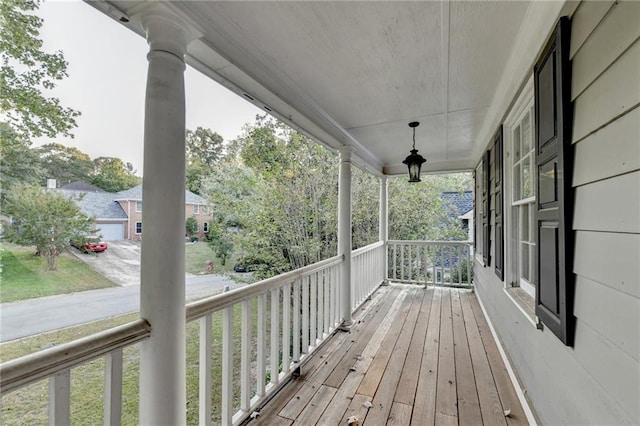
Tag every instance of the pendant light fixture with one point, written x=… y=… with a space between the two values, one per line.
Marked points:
x=414 y=161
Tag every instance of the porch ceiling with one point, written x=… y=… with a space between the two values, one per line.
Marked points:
x=355 y=73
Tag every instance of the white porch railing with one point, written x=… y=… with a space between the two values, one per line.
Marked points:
x=446 y=263
x=267 y=330
x=367 y=272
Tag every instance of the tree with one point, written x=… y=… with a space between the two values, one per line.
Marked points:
x=64 y=163
x=191 y=226
x=27 y=72
x=220 y=241
x=46 y=220
x=18 y=162
x=113 y=175
x=204 y=149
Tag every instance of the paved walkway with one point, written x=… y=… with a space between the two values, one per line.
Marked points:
x=34 y=316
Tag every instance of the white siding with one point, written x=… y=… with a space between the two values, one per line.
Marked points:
x=598 y=380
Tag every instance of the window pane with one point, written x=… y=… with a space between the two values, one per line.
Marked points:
x=527 y=184
x=526 y=134
x=525 y=261
x=524 y=223
x=516 y=183
x=516 y=144
x=532 y=263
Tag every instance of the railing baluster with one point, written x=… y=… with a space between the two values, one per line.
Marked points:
x=275 y=331
x=402 y=262
x=326 y=282
x=305 y=314
x=336 y=296
x=245 y=357
x=395 y=259
x=113 y=388
x=296 y=321
x=60 y=398
x=320 y=327
x=469 y=260
x=286 y=328
x=410 y=247
x=204 y=383
x=261 y=370
x=313 y=309
x=227 y=365
x=332 y=298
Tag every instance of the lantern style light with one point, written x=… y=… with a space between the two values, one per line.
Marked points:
x=414 y=161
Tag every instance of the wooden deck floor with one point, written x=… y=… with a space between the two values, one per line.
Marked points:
x=413 y=357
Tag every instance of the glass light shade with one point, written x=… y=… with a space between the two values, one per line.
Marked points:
x=414 y=163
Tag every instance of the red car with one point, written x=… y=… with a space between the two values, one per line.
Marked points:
x=90 y=243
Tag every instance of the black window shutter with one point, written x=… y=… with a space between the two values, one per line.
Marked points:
x=498 y=204
x=486 y=214
x=553 y=110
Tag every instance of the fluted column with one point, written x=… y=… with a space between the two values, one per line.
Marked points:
x=344 y=234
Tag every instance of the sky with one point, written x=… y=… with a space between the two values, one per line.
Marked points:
x=107 y=78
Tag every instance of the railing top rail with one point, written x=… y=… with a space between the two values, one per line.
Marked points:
x=367 y=248
x=39 y=365
x=424 y=242
x=202 y=307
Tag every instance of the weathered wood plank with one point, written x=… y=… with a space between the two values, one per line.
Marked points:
x=446 y=399
x=425 y=406
x=383 y=400
x=400 y=415
x=374 y=374
x=357 y=409
x=316 y=406
x=506 y=391
x=272 y=421
x=490 y=405
x=406 y=392
x=468 y=404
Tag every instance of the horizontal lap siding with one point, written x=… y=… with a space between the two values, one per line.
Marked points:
x=598 y=380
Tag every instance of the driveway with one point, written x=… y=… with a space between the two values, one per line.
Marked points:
x=120 y=262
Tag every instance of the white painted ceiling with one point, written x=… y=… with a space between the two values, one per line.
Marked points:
x=356 y=73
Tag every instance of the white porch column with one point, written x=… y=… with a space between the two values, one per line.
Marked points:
x=344 y=234
x=162 y=293
x=383 y=229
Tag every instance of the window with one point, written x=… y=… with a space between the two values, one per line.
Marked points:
x=138 y=206
x=523 y=198
x=138 y=228
x=196 y=209
x=205 y=209
x=205 y=227
x=479 y=238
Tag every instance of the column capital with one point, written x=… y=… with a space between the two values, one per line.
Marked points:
x=345 y=153
x=166 y=28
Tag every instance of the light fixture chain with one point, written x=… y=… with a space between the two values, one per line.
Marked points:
x=414 y=138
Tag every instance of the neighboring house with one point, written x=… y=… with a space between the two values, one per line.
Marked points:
x=460 y=206
x=131 y=202
x=118 y=216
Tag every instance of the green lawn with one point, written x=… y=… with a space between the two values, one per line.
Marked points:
x=25 y=276
x=197 y=255
x=28 y=405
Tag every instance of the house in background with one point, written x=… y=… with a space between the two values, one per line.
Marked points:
x=459 y=204
x=118 y=215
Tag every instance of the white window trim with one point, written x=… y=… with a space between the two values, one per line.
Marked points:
x=196 y=209
x=140 y=209
x=524 y=102
x=135 y=228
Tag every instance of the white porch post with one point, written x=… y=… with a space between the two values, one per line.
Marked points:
x=162 y=293
x=383 y=228
x=344 y=235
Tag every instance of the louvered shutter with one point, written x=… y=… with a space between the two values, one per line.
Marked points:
x=498 y=204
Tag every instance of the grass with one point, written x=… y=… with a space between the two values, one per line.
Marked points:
x=28 y=405
x=199 y=253
x=25 y=276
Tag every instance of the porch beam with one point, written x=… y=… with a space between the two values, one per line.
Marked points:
x=162 y=292
x=344 y=235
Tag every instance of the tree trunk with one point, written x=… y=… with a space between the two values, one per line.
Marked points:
x=52 y=261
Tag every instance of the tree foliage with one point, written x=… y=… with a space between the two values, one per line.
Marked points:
x=26 y=73
x=112 y=174
x=204 y=148
x=18 y=162
x=191 y=226
x=220 y=241
x=46 y=220
x=64 y=163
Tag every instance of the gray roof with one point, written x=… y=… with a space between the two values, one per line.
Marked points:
x=101 y=205
x=459 y=202
x=81 y=186
x=135 y=193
